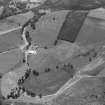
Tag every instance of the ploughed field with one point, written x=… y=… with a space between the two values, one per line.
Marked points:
x=58 y=64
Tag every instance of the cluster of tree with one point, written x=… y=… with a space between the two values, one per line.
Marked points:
x=11 y=9
x=21 y=5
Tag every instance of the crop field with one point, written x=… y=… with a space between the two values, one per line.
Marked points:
x=92 y=31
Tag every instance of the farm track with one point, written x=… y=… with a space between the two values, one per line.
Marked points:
x=10 y=40
x=9 y=50
x=4 y=32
